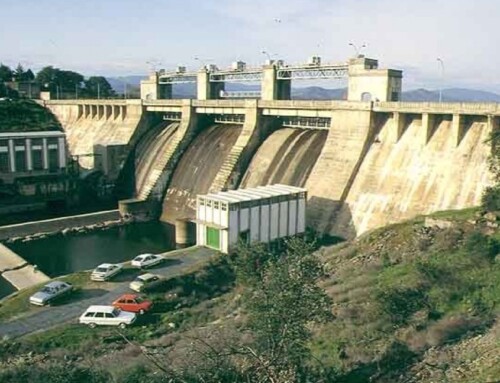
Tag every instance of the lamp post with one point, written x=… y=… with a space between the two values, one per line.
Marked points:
x=442 y=78
x=264 y=52
x=196 y=58
x=356 y=49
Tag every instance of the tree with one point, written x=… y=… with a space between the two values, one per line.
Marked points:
x=281 y=299
x=5 y=73
x=47 y=76
x=98 y=87
x=57 y=80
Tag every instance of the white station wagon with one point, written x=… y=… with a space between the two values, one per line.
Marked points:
x=105 y=271
x=106 y=316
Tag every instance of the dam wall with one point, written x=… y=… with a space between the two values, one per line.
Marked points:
x=364 y=164
x=441 y=166
x=97 y=122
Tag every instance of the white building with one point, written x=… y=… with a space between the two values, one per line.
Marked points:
x=260 y=214
x=29 y=153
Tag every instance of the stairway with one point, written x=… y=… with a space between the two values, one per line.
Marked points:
x=222 y=180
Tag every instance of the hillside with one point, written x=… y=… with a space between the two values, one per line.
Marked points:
x=26 y=115
x=413 y=302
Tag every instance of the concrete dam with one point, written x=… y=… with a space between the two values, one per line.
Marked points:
x=373 y=164
x=366 y=162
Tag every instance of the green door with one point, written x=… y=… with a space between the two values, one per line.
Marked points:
x=213 y=238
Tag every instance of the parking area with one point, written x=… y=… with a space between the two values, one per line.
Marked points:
x=41 y=318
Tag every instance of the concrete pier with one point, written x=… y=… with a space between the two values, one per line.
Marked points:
x=17 y=271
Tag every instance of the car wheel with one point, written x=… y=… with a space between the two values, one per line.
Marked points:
x=122 y=325
x=92 y=325
x=141 y=311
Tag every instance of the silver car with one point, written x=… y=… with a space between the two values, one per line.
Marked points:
x=145 y=282
x=50 y=292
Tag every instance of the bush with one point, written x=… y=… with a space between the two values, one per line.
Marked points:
x=401 y=303
x=55 y=373
x=490 y=199
x=450 y=329
x=448 y=239
x=481 y=245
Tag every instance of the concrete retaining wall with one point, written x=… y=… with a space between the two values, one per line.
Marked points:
x=57 y=224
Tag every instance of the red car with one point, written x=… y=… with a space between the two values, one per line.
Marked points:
x=133 y=303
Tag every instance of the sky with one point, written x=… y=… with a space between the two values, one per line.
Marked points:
x=130 y=37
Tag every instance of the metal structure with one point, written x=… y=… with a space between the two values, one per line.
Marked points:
x=177 y=78
x=248 y=75
x=311 y=72
x=240 y=94
x=172 y=116
x=306 y=122
x=229 y=118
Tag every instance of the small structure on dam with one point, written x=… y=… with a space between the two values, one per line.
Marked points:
x=261 y=214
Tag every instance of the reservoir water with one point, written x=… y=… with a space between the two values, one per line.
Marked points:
x=5 y=288
x=60 y=255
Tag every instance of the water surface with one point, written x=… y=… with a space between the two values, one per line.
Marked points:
x=60 y=255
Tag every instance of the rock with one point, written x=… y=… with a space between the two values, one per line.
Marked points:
x=440 y=223
x=171 y=325
x=490 y=216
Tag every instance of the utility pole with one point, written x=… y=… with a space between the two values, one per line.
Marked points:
x=98 y=91
x=442 y=78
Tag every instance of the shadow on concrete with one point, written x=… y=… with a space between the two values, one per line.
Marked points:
x=333 y=218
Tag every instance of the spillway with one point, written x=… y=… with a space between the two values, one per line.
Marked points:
x=197 y=169
x=149 y=149
x=287 y=156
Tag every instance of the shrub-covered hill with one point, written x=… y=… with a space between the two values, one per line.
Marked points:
x=412 y=302
x=25 y=116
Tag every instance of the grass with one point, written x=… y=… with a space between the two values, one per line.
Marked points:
x=410 y=296
x=17 y=304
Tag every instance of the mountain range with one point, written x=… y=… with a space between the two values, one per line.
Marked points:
x=319 y=93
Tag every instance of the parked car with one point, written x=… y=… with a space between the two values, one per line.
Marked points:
x=105 y=271
x=147 y=260
x=146 y=282
x=50 y=292
x=107 y=316
x=133 y=303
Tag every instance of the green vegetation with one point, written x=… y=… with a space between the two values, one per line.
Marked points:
x=408 y=302
x=61 y=83
x=18 y=303
x=26 y=116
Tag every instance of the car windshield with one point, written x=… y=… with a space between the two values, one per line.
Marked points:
x=116 y=311
x=139 y=279
x=101 y=269
x=139 y=300
x=46 y=289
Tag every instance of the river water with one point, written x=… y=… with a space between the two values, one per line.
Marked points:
x=60 y=255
